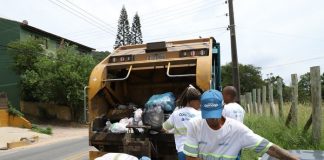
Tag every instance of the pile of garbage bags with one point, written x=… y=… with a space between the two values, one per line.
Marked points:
x=120 y=127
x=152 y=115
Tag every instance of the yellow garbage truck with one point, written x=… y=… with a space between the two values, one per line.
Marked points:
x=130 y=75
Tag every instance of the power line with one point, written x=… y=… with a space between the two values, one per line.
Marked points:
x=91 y=15
x=281 y=34
x=177 y=13
x=103 y=29
x=182 y=6
x=170 y=19
x=79 y=12
x=294 y=62
x=187 y=33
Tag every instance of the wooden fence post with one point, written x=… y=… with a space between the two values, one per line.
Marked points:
x=242 y=100
x=315 y=77
x=294 y=103
x=259 y=106
x=264 y=99
x=279 y=89
x=249 y=95
x=254 y=101
x=247 y=103
x=272 y=105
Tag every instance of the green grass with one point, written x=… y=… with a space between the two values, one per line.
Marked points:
x=13 y=111
x=38 y=129
x=275 y=131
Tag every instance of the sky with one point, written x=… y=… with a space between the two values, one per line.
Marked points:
x=280 y=36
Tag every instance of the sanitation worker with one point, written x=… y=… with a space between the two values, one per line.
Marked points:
x=232 y=109
x=189 y=104
x=215 y=137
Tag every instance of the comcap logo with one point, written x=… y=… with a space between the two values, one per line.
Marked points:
x=210 y=105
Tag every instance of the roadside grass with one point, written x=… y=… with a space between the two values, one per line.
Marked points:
x=13 y=111
x=38 y=129
x=274 y=130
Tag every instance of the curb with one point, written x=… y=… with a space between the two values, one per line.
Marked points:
x=23 y=142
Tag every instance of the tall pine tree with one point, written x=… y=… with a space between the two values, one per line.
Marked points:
x=136 y=32
x=123 y=35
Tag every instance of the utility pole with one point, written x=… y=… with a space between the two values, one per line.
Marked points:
x=235 y=68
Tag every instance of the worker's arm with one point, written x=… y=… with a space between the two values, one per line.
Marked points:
x=262 y=145
x=168 y=124
x=192 y=158
x=277 y=152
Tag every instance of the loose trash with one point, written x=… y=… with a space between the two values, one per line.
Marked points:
x=153 y=117
x=166 y=101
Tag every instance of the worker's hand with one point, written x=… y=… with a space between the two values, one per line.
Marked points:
x=163 y=131
x=277 y=152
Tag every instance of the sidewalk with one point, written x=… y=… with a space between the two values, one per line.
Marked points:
x=12 y=134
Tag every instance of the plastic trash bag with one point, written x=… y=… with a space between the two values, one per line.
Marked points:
x=137 y=116
x=145 y=158
x=116 y=156
x=153 y=117
x=166 y=101
x=120 y=127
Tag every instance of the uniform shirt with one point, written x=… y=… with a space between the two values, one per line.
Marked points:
x=224 y=143
x=178 y=121
x=234 y=111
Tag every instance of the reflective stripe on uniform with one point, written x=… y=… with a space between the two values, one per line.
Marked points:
x=266 y=148
x=211 y=156
x=180 y=131
x=189 y=154
x=167 y=126
x=261 y=145
x=190 y=150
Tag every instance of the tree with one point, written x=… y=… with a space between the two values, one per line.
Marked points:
x=304 y=88
x=123 y=36
x=286 y=90
x=250 y=77
x=100 y=55
x=25 y=54
x=136 y=33
x=58 y=79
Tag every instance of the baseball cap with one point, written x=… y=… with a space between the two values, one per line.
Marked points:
x=211 y=104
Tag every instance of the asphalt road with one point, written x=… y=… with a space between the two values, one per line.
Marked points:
x=73 y=149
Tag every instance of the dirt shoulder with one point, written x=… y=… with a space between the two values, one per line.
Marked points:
x=60 y=133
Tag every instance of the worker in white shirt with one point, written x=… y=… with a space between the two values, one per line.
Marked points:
x=215 y=137
x=232 y=109
x=189 y=105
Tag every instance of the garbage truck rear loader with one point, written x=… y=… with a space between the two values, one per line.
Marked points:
x=131 y=75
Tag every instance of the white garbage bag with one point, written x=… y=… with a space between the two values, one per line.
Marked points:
x=120 y=127
x=138 y=115
x=116 y=156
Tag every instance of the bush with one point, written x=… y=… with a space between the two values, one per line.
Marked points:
x=52 y=78
x=38 y=129
x=14 y=112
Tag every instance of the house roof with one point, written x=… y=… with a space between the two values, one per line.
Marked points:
x=45 y=33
